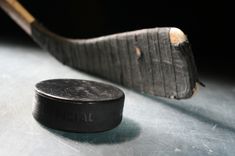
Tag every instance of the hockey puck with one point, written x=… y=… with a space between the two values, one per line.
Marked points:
x=78 y=105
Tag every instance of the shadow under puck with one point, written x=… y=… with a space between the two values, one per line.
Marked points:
x=78 y=105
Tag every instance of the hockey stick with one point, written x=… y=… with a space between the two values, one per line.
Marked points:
x=156 y=61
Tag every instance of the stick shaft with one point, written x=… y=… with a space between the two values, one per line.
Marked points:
x=18 y=13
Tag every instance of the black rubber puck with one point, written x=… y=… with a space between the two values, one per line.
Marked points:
x=78 y=105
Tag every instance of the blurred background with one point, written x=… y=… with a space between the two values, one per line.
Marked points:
x=204 y=24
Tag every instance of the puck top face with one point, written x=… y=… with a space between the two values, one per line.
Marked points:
x=78 y=90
